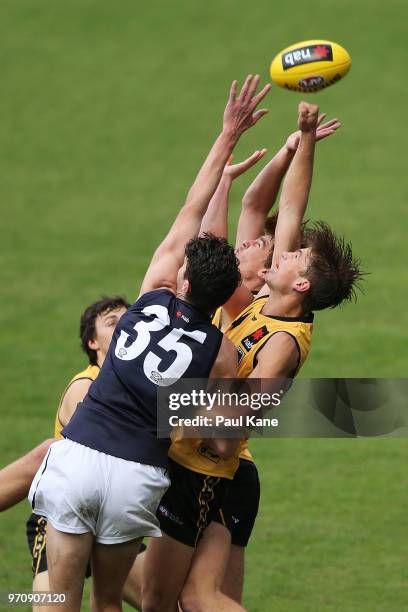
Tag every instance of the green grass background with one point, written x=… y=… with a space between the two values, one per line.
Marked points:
x=106 y=112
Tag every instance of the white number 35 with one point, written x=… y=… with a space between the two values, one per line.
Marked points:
x=171 y=342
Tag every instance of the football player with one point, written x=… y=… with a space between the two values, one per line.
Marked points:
x=111 y=468
x=273 y=336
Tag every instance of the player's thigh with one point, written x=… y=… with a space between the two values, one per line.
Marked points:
x=210 y=561
x=132 y=591
x=67 y=558
x=111 y=564
x=233 y=583
x=165 y=569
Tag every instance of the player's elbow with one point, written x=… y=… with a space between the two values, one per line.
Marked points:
x=224 y=447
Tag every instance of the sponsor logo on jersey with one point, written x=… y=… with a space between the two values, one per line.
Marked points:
x=249 y=341
x=122 y=352
x=307 y=55
x=182 y=316
x=165 y=512
x=311 y=82
x=206 y=452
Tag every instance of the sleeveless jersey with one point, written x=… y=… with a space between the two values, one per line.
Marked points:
x=219 y=320
x=250 y=331
x=90 y=373
x=160 y=337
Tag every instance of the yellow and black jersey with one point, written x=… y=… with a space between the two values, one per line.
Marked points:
x=90 y=373
x=195 y=455
x=252 y=330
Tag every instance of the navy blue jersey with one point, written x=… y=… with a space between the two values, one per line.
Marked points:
x=160 y=339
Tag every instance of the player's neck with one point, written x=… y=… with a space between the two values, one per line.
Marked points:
x=282 y=306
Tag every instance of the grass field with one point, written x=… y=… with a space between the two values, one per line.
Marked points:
x=107 y=110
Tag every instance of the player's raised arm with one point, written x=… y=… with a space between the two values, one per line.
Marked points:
x=262 y=193
x=297 y=184
x=215 y=220
x=239 y=115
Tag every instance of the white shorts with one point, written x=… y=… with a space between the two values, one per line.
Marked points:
x=80 y=490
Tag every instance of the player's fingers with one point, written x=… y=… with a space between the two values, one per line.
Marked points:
x=256 y=156
x=252 y=88
x=321 y=118
x=324 y=134
x=260 y=113
x=233 y=91
x=256 y=100
x=330 y=123
x=245 y=87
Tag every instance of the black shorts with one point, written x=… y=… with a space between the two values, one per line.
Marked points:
x=240 y=507
x=37 y=537
x=190 y=503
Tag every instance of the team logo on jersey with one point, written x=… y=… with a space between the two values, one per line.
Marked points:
x=240 y=353
x=156 y=376
x=182 y=316
x=249 y=341
x=206 y=452
x=307 y=55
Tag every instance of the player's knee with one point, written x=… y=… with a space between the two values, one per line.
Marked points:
x=193 y=599
x=156 y=600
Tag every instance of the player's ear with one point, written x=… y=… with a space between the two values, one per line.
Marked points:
x=186 y=286
x=263 y=272
x=93 y=344
x=301 y=284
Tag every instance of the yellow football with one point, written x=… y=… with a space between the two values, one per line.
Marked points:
x=310 y=66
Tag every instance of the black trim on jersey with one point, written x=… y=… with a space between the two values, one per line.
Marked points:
x=281 y=331
x=305 y=319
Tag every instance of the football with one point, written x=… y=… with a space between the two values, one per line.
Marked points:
x=310 y=66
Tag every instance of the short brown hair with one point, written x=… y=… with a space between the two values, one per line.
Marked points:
x=334 y=272
x=88 y=318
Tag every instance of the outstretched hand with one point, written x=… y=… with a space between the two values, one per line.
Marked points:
x=308 y=117
x=323 y=131
x=233 y=171
x=240 y=114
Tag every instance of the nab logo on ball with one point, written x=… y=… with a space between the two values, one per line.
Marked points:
x=311 y=82
x=307 y=55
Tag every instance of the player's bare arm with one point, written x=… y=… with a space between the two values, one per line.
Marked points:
x=239 y=116
x=297 y=184
x=225 y=366
x=16 y=478
x=262 y=193
x=278 y=359
x=73 y=395
x=215 y=219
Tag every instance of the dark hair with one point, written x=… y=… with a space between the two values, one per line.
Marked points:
x=334 y=273
x=270 y=227
x=88 y=318
x=270 y=224
x=212 y=271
